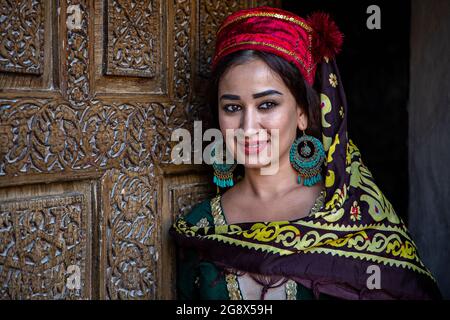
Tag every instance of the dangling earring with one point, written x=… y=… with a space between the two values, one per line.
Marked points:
x=223 y=172
x=307 y=156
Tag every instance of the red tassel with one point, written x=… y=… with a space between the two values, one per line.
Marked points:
x=327 y=39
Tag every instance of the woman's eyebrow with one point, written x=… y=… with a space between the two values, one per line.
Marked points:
x=266 y=93
x=230 y=97
x=255 y=96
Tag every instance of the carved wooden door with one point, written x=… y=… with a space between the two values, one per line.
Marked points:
x=90 y=92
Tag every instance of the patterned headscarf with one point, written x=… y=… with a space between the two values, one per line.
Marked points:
x=335 y=250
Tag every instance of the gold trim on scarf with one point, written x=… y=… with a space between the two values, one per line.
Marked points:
x=268 y=14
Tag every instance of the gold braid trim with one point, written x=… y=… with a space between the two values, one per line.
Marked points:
x=268 y=14
x=291 y=290
x=233 y=287
x=216 y=210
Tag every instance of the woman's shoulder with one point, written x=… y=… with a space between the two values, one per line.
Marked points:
x=200 y=214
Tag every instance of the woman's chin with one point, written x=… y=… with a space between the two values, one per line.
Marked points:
x=254 y=166
x=256 y=162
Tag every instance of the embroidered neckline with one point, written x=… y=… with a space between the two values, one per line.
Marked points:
x=234 y=290
x=219 y=216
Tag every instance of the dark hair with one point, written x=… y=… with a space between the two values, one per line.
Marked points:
x=305 y=95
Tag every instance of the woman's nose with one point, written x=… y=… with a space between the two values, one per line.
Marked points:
x=250 y=121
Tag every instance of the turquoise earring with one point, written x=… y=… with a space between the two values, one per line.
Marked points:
x=223 y=172
x=307 y=157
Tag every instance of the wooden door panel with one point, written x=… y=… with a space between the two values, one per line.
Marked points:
x=45 y=229
x=130 y=47
x=131 y=245
x=26 y=57
x=90 y=93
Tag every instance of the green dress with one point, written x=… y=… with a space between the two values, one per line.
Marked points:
x=200 y=279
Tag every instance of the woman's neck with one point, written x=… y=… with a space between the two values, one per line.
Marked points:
x=270 y=186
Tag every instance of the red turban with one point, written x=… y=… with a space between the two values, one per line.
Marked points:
x=301 y=42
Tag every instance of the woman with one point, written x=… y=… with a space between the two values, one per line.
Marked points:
x=319 y=227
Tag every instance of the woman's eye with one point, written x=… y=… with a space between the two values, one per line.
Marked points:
x=231 y=108
x=268 y=105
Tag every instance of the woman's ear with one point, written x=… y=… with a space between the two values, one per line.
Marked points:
x=302 y=119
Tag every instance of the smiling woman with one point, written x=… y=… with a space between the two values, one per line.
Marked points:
x=276 y=67
x=319 y=226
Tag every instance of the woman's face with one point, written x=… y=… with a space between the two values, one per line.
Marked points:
x=252 y=98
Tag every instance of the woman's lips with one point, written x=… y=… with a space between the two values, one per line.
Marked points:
x=254 y=147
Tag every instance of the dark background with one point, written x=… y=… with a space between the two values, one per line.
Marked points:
x=374 y=67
